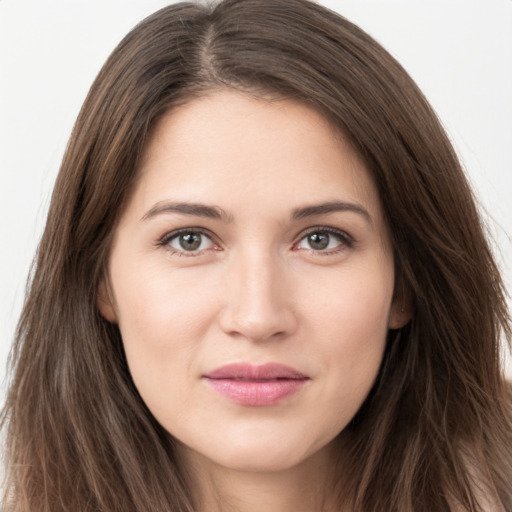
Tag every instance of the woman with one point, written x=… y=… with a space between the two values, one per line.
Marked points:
x=263 y=285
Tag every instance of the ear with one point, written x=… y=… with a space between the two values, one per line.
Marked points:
x=105 y=302
x=401 y=307
x=399 y=316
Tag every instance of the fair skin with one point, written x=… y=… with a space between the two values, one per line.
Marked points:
x=255 y=276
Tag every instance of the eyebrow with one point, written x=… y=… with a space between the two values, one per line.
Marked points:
x=331 y=207
x=215 y=212
x=195 y=209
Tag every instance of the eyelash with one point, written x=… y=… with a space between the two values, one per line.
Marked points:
x=346 y=241
x=165 y=240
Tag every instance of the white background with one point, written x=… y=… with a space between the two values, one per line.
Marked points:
x=458 y=51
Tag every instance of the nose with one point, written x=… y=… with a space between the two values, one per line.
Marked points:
x=258 y=303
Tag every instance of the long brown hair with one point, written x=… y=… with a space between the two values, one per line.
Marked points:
x=435 y=431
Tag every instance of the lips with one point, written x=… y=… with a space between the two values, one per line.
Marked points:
x=253 y=385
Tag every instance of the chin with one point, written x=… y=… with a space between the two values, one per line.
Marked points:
x=259 y=453
x=259 y=461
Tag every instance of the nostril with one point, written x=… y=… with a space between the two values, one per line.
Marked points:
x=266 y=325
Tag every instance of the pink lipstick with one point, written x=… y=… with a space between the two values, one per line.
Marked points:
x=247 y=384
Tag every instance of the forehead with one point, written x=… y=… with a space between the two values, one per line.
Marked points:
x=229 y=145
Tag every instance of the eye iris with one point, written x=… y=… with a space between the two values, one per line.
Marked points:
x=318 y=240
x=190 y=241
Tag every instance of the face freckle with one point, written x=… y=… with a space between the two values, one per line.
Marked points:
x=252 y=279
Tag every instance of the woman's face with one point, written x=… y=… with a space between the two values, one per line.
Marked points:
x=252 y=279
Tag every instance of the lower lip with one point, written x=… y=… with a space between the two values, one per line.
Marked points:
x=256 y=393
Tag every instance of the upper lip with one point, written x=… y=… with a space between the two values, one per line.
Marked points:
x=246 y=371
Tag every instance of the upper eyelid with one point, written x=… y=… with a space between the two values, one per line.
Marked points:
x=168 y=236
x=192 y=229
x=346 y=240
x=329 y=229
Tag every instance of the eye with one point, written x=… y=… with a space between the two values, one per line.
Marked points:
x=187 y=241
x=324 y=240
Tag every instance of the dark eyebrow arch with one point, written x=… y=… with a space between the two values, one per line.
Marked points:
x=331 y=207
x=196 y=209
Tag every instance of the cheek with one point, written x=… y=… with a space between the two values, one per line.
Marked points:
x=355 y=302
x=351 y=330
x=162 y=319
x=160 y=305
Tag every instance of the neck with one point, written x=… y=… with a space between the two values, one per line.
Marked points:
x=309 y=485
